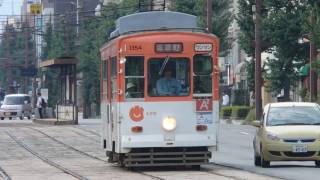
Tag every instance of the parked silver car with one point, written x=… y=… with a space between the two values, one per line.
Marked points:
x=16 y=106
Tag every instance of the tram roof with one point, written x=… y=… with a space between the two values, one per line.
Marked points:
x=154 y=20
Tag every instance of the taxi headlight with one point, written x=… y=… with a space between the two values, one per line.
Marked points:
x=272 y=137
x=169 y=123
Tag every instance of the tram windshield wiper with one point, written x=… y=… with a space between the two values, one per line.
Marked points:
x=164 y=64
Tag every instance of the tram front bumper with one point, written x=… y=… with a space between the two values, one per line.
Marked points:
x=168 y=140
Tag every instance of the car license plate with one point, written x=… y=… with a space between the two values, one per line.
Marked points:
x=7 y=114
x=300 y=148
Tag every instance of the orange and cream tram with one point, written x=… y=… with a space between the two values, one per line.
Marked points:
x=160 y=91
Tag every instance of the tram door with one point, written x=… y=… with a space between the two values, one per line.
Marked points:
x=113 y=110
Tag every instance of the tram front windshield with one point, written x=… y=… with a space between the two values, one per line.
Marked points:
x=169 y=77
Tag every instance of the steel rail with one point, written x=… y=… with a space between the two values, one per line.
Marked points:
x=63 y=169
x=83 y=135
x=86 y=154
x=4 y=174
x=89 y=131
x=66 y=145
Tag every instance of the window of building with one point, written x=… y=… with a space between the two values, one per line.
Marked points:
x=168 y=77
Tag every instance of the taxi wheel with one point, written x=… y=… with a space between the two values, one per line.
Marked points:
x=317 y=163
x=257 y=160
x=264 y=163
x=2 y=118
x=21 y=118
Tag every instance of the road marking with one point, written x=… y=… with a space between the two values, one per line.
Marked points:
x=244 y=133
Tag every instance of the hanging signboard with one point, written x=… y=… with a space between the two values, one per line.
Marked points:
x=35 y=9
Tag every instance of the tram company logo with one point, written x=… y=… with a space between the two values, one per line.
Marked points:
x=136 y=113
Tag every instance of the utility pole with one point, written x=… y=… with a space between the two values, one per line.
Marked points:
x=77 y=6
x=313 y=75
x=34 y=82
x=209 y=16
x=258 y=77
x=26 y=57
x=8 y=67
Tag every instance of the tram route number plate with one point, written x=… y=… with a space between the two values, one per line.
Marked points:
x=299 y=148
x=204 y=118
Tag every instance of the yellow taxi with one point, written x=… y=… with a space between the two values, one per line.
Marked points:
x=288 y=132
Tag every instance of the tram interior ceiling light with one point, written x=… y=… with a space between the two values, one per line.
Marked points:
x=169 y=123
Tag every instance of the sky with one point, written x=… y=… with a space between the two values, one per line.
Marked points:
x=6 y=8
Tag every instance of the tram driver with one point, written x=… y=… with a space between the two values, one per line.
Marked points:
x=168 y=85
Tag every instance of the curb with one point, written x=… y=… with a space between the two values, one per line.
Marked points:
x=52 y=122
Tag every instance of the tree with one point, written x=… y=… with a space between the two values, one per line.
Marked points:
x=221 y=20
x=12 y=46
x=312 y=27
x=281 y=29
x=53 y=48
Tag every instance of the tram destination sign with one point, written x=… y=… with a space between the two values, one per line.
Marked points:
x=203 y=47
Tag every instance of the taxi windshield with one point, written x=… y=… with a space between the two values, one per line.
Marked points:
x=293 y=115
x=168 y=76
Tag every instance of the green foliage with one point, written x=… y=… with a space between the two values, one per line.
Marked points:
x=240 y=97
x=53 y=48
x=281 y=29
x=250 y=75
x=226 y=112
x=235 y=112
x=12 y=46
x=304 y=94
x=221 y=18
x=240 y=112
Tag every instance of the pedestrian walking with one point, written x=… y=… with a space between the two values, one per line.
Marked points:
x=225 y=99
x=41 y=104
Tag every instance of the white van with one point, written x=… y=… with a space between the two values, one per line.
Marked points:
x=16 y=106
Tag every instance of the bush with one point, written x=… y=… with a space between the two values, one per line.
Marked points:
x=226 y=112
x=240 y=97
x=240 y=112
x=236 y=112
x=251 y=116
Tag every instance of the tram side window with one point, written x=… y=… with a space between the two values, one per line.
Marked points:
x=202 y=77
x=169 y=77
x=134 y=77
x=105 y=77
x=113 y=77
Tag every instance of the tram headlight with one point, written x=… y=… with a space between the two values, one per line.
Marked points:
x=169 y=123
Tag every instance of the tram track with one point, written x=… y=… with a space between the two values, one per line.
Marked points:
x=68 y=146
x=89 y=131
x=44 y=159
x=4 y=174
x=80 y=134
x=219 y=174
x=88 y=155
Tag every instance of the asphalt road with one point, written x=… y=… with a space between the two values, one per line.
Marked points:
x=236 y=150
